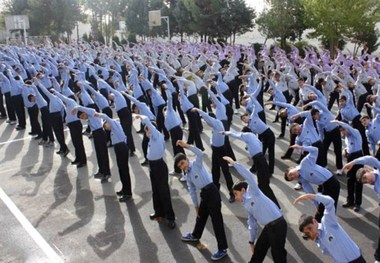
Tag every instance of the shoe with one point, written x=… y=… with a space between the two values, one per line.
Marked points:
x=173 y=173
x=3 y=116
x=377 y=261
x=184 y=124
x=7 y=121
x=298 y=161
x=171 y=224
x=188 y=237
x=236 y=111
x=120 y=193
x=90 y=136
x=49 y=144
x=285 y=157
x=125 y=198
x=20 y=128
x=280 y=136
x=65 y=153
x=12 y=122
x=31 y=133
x=231 y=199
x=140 y=131
x=39 y=137
x=131 y=154
x=75 y=162
x=98 y=175
x=338 y=172
x=348 y=205
x=219 y=254
x=154 y=216
x=357 y=208
x=59 y=152
x=109 y=144
x=42 y=142
x=80 y=165
x=86 y=133
x=105 y=178
x=145 y=162
x=183 y=178
x=298 y=187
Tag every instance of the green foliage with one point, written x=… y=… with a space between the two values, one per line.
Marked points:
x=132 y=38
x=85 y=37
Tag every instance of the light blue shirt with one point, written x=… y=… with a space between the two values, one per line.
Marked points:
x=70 y=105
x=333 y=240
x=217 y=139
x=171 y=118
x=143 y=108
x=256 y=124
x=349 y=111
x=117 y=133
x=260 y=208
x=371 y=161
x=94 y=122
x=55 y=103
x=25 y=93
x=185 y=103
x=197 y=175
x=99 y=99
x=325 y=117
x=253 y=143
x=309 y=134
x=41 y=102
x=220 y=110
x=156 y=145
x=290 y=109
x=353 y=139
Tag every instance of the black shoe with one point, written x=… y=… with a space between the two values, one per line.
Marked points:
x=280 y=136
x=348 y=205
x=285 y=157
x=154 y=216
x=31 y=133
x=125 y=198
x=140 y=131
x=357 y=208
x=3 y=116
x=231 y=199
x=98 y=175
x=171 y=224
x=65 y=153
x=75 y=162
x=105 y=178
x=298 y=161
x=19 y=128
x=120 y=193
x=39 y=137
x=145 y=162
x=80 y=165
x=131 y=154
x=59 y=152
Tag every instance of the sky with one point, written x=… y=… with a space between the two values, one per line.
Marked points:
x=258 y=5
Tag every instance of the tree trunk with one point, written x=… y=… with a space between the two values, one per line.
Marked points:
x=283 y=42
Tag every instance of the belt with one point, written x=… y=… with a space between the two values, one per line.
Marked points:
x=355 y=153
x=156 y=161
x=208 y=187
x=274 y=222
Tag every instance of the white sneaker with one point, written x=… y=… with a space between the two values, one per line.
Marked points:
x=339 y=172
x=173 y=173
x=183 y=178
x=377 y=261
x=298 y=187
x=12 y=122
x=236 y=111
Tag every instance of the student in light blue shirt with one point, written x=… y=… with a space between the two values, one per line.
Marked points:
x=261 y=211
x=210 y=204
x=329 y=235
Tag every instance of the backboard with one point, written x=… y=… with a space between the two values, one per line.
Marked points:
x=155 y=18
x=16 y=22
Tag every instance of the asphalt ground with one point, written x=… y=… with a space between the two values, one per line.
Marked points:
x=64 y=214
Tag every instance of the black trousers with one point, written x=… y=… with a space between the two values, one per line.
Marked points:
x=358 y=125
x=211 y=205
x=2 y=108
x=177 y=107
x=75 y=128
x=334 y=96
x=162 y=202
x=33 y=118
x=206 y=102
x=268 y=140
x=176 y=134
x=101 y=150
x=227 y=144
x=234 y=87
x=160 y=119
x=322 y=156
x=217 y=163
x=361 y=101
x=263 y=176
x=272 y=236
x=18 y=105
x=335 y=138
x=122 y=160
x=56 y=122
x=194 y=129
x=91 y=106
x=9 y=105
x=358 y=260
x=125 y=117
x=47 y=130
x=331 y=188
x=377 y=252
x=108 y=111
x=354 y=188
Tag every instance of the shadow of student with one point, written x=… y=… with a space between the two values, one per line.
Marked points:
x=84 y=204
x=62 y=190
x=112 y=237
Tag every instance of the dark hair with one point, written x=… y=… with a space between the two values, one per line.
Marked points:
x=179 y=157
x=286 y=174
x=240 y=185
x=368 y=99
x=212 y=115
x=30 y=96
x=243 y=115
x=365 y=117
x=246 y=129
x=314 y=111
x=304 y=221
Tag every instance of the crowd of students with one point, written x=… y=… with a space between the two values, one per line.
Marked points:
x=169 y=86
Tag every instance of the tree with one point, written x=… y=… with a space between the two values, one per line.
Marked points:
x=240 y=18
x=137 y=17
x=284 y=20
x=334 y=20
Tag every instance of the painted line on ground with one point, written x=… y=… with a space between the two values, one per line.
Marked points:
x=34 y=234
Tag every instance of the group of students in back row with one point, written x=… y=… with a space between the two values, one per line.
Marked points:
x=170 y=85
